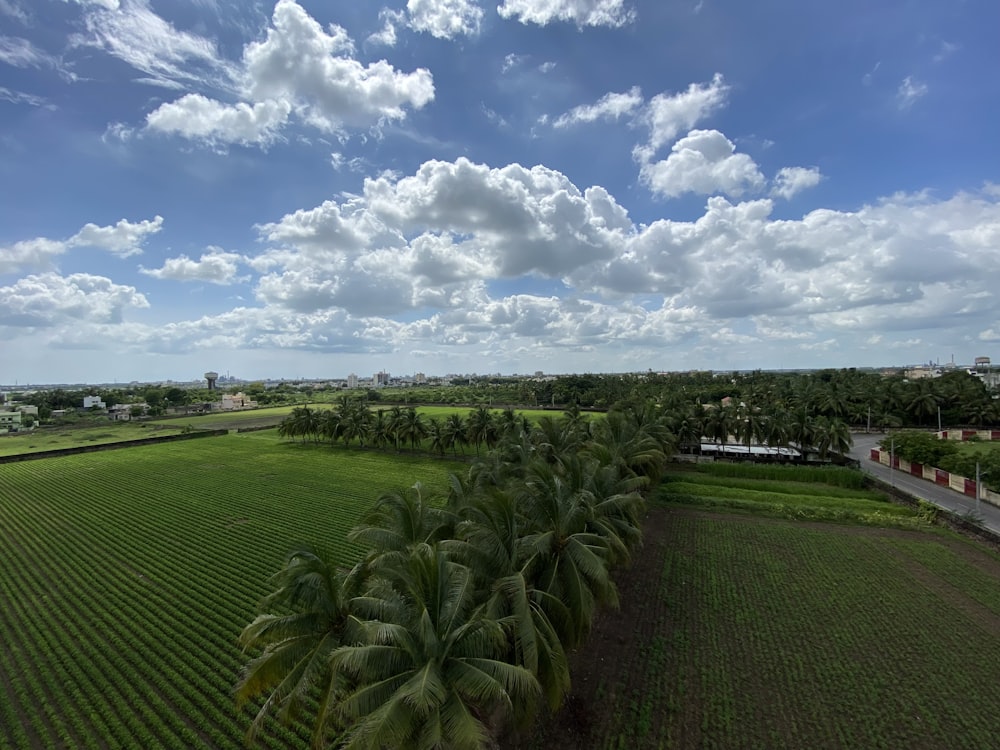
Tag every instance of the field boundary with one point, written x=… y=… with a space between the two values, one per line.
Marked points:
x=55 y=452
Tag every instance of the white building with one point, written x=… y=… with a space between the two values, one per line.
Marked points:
x=93 y=402
x=10 y=421
x=352 y=381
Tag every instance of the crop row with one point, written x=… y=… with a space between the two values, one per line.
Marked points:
x=817 y=637
x=133 y=572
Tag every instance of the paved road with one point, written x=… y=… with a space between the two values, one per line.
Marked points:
x=955 y=502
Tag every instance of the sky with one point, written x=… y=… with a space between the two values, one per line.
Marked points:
x=308 y=189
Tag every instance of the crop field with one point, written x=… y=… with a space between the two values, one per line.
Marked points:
x=52 y=438
x=126 y=577
x=232 y=420
x=748 y=631
x=833 y=494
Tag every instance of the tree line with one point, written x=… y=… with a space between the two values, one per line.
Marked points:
x=454 y=628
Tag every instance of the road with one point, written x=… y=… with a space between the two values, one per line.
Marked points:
x=955 y=502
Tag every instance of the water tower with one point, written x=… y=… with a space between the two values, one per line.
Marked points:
x=211 y=377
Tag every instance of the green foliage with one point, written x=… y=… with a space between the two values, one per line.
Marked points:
x=919 y=447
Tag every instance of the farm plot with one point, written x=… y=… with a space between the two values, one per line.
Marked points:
x=823 y=494
x=128 y=575
x=53 y=438
x=751 y=632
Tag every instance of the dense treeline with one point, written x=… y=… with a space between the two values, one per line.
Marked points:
x=862 y=399
x=456 y=624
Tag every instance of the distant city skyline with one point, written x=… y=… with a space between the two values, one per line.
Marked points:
x=297 y=187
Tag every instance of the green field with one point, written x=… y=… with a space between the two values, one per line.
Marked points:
x=834 y=494
x=739 y=630
x=53 y=438
x=128 y=575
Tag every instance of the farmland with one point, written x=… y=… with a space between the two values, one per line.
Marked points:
x=128 y=575
x=52 y=438
x=745 y=630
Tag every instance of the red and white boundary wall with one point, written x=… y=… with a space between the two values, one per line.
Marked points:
x=986 y=435
x=940 y=477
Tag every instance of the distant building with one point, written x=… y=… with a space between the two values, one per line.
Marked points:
x=93 y=402
x=232 y=401
x=419 y=378
x=380 y=379
x=10 y=421
x=920 y=373
x=352 y=381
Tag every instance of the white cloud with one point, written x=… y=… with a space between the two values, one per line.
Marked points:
x=668 y=115
x=390 y=20
x=166 y=55
x=21 y=53
x=20 y=97
x=303 y=71
x=429 y=239
x=910 y=90
x=48 y=300
x=123 y=239
x=37 y=253
x=196 y=117
x=581 y=12
x=106 y=4
x=215 y=267
x=301 y=63
x=705 y=162
x=13 y=10
x=445 y=19
x=790 y=181
x=611 y=106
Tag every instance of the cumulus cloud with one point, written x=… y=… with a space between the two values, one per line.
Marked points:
x=613 y=13
x=122 y=239
x=48 y=300
x=197 y=117
x=612 y=106
x=791 y=181
x=300 y=62
x=705 y=162
x=215 y=267
x=432 y=237
x=301 y=71
x=445 y=19
x=668 y=115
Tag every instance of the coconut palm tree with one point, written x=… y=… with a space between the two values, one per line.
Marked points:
x=619 y=441
x=564 y=556
x=318 y=606
x=488 y=540
x=432 y=671
x=399 y=521
x=414 y=428
x=481 y=427
x=455 y=431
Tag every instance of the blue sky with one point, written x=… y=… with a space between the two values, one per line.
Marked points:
x=309 y=189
